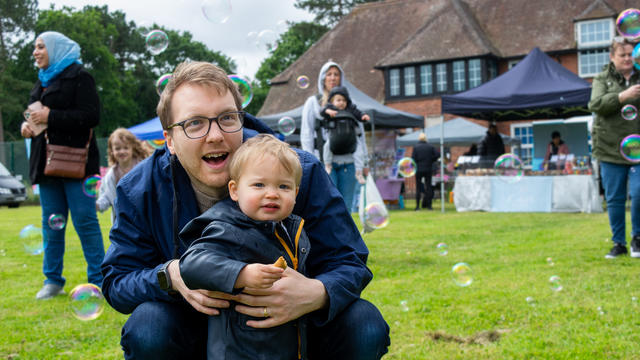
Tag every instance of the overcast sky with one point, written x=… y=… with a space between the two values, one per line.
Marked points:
x=231 y=37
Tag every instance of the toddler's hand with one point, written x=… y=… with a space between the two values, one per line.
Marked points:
x=365 y=117
x=258 y=276
x=331 y=112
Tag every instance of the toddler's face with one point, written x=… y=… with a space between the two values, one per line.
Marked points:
x=265 y=190
x=122 y=151
x=339 y=101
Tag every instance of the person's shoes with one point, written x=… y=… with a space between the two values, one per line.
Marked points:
x=635 y=246
x=48 y=291
x=416 y=209
x=616 y=251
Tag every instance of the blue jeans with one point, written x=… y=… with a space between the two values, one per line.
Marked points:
x=160 y=330
x=355 y=205
x=59 y=196
x=614 y=180
x=344 y=178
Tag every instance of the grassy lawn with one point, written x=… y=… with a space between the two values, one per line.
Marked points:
x=594 y=316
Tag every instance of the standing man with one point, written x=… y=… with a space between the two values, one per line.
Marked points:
x=200 y=112
x=424 y=154
x=491 y=146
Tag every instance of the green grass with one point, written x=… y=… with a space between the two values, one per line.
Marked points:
x=507 y=253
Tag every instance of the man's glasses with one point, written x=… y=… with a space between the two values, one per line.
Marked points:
x=199 y=126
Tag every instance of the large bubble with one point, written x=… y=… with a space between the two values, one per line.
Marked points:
x=462 y=274
x=57 y=221
x=303 y=81
x=31 y=238
x=216 y=11
x=268 y=39
x=509 y=167
x=407 y=167
x=630 y=148
x=162 y=82
x=628 y=23
x=157 y=41
x=636 y=56
x=244 y=87
x=87 y=302
x=91 y=185
x=376 y=215
x=286 y=125
x=629 y=112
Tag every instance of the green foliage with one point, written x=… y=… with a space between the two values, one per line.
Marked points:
x=329 y=12
x=507 y=253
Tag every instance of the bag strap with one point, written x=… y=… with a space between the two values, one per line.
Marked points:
x=88 y=140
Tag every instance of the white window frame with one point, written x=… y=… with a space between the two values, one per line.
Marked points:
x=409 y=74
x=426 y=79
x=459 y=76
x=394 y=82
x=441 y=78
x=475 y=73
x=595 y=43
x=598 y=68
x=525 y=148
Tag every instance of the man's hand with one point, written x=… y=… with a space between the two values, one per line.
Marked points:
x=289 y=298
x=205 y=301
x=258 y=276
x=633 y=92
x=331 y=112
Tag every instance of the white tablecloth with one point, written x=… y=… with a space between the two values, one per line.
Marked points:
x=570 y=193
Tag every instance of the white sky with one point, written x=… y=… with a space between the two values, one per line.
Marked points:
x=230 y=37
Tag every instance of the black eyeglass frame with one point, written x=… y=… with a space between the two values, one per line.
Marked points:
x=215 y=118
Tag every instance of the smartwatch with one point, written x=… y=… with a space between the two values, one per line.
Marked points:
x=164 y=280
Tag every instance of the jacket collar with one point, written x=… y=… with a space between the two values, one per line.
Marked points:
x=70 y=72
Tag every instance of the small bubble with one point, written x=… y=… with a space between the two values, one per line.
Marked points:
x=531 y=301
x=555 y=284
x=403 y=306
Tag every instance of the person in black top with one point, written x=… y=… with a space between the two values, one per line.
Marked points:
x=424 y=154
x=491 y=146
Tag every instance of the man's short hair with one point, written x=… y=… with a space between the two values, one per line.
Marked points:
x=422 y=137
x=555 y=134
x=195 y=72
x=261 y=145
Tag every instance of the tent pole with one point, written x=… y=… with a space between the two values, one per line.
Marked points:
x=372 y=161
x=442 y=155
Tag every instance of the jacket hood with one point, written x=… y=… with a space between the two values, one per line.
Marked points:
x=323 y=73
x=340 y=90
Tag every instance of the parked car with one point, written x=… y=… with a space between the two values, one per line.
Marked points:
x=12 y=191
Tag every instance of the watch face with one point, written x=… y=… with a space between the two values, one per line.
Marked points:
x=163 y=280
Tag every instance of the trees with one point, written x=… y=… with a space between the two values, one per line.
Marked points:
x=329 y=12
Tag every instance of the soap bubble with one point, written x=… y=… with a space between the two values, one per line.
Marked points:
x=303 y=81
x=628 y=23
x=91 y=185
x=57 y=221
x=31 y=238
x=462 y=274
x=162 y=82
x=600 y=310
x=376 y=215
x=403 y=306
x=286 y=126
x=156 y=143
x=268 y=39
x=629 y=112
x=407 y=167
x=443 y=249
x=509 y=167
x=531 y=301
x=87 y=302
x=636 y=56
x=550 y=261
x=554 y=282
x=244 y=87
x=157 y=41
x=216 y=11
x=630 y=148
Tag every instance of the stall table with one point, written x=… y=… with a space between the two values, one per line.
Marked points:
x=566 y=193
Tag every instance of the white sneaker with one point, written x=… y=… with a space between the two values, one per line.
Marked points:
x=635 y=247
x=48 y=291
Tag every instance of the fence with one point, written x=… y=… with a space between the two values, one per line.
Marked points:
x=13 y=155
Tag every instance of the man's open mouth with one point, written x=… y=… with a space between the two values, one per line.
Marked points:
x=215 y=158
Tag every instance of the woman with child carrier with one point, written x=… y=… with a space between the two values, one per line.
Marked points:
x=346 y=167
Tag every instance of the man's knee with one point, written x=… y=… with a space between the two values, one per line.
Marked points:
x=146 y=331
x=367 y=321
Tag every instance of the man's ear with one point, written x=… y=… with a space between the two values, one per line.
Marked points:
x=233 y=190
x=169 y=140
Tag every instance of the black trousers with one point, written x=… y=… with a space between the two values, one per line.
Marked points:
x=423 y=185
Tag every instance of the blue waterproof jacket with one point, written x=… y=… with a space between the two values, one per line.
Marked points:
x=142 y=237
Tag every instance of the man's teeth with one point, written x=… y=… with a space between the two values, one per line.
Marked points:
x=213 y=156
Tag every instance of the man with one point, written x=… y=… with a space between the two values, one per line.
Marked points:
x=491 y=146
x=424 y=154
x=155 y=200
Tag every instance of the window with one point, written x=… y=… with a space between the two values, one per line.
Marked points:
x=426 y=80
x=524 y=132
x=590 y=62
x=475 y=73
x=441 y=77
x=594 y=33
x=512 y=63
x=409 y=81
x=394 y=82
x=459 y=78
x=492 y=69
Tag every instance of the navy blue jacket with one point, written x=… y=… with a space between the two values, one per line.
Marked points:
x=224 y=241
x=142 y=234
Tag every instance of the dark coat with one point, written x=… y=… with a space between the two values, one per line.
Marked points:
x=424 y=154
x=491 y=146
x=74 y=110
x=225 y=240
x=142 y=234
x=351 y=107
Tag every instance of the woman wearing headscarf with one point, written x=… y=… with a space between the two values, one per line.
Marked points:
x=345 y=168
x=615 y=87
x=70 y=110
